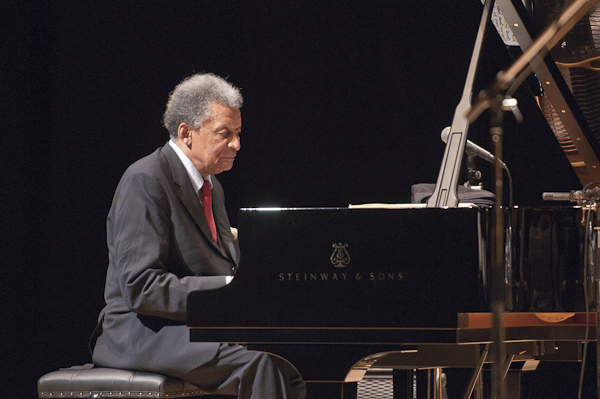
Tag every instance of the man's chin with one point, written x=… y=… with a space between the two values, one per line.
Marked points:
x=223 y=168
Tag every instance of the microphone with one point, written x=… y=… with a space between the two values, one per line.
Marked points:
x=473 y=149
x=573 y=195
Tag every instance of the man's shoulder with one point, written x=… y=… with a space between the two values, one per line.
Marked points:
x=153 y=163
x=149 y=161
x=150 y=174
x=153 y=167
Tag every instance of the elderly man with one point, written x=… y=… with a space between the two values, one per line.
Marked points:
x=168 y=234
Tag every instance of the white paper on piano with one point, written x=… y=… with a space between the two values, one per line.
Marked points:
x=400 y=206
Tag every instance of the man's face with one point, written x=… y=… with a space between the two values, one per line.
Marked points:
x=214 y=145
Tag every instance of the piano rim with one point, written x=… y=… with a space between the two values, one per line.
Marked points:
x=473 y=328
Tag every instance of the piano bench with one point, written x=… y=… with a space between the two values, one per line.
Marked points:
x=104 y=383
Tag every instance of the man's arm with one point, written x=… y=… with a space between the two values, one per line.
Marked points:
x=141 y=239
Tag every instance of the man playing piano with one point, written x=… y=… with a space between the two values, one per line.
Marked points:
x=166 y=240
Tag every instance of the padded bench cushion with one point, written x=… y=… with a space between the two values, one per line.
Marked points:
x=82 y=382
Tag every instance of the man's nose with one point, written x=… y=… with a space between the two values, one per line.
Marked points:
x=236 y=144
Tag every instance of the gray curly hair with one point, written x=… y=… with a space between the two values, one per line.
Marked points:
x=190 y=100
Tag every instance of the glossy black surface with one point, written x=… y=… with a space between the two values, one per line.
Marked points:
x=406 y=268
x=402 y=277
x=547 y=259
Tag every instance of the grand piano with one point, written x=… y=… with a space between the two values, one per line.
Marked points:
x=339 y=291
x=336 y=291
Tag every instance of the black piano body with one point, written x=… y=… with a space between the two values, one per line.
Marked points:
x=338 y=290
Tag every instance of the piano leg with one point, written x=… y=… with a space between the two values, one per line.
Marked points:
x=481 y=389
x=403 y=383
x=513 y=384
x=476 y=378
x=333 y=390
x=416 y=383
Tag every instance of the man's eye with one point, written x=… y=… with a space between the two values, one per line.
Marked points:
x=227 y=133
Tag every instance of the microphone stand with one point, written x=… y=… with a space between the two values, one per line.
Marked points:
x=497 y=286
x=493 y=98
x=592 y=247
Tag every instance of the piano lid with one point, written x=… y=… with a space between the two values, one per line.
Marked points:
x=576 y=59
x=569 y=84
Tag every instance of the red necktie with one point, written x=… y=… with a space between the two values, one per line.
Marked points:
x=207 y=203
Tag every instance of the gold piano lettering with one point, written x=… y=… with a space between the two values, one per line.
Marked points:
x=389 y=276
x=371 y=276
x=314 y=277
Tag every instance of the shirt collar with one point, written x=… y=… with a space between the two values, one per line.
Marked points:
x=193 y=173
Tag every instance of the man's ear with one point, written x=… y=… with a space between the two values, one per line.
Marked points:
x=184 y=132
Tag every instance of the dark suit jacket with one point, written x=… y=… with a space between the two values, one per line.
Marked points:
x=160 y=249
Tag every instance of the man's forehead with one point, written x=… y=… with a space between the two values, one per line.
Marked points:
x=222 y=115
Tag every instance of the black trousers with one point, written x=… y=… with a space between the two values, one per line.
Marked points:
x=249 y=375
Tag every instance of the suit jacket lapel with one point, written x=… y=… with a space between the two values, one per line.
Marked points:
x=186 y=193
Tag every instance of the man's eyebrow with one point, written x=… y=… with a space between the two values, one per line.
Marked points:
x=222 y=126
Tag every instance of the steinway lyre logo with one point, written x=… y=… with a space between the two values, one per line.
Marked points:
x=340 y=256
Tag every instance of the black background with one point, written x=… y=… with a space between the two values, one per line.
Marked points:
x=344 y=103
